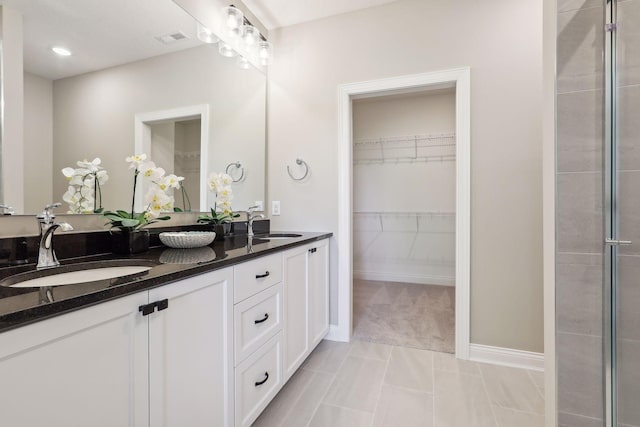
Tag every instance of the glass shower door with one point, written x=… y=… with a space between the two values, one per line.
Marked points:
x=622 y=277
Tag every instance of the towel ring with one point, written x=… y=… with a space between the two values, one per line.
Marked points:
x=237 y=165
x=301 y=162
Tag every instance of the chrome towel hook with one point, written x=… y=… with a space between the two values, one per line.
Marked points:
x=237 y=165
x=299 y=162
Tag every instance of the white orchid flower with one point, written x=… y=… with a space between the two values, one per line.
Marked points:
x=93 y=166
x=172 y=181
x=102 y=176
x=68 y=172
x=226 y=179
x=136 y=160
x=226 y=193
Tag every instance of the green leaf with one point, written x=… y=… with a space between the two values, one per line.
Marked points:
x=163 y=218
x=124 y=214
x=177 y=209
x=112 y=217
x=99 y=210
x=127 y=222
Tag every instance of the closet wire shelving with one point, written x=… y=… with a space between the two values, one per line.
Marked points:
x=404 y=149
x=413 y=223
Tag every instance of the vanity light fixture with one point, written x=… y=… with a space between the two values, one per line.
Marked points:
x=250 y=36
x=226 y=50
x=265 y=52
x=243 y=62
x=206 y=35
x=61 y=51
x=234 y=19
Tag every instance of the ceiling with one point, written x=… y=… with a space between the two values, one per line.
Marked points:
x=100 y=33
x=282 y=13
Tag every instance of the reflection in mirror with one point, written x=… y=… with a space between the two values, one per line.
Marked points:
x=128 y=61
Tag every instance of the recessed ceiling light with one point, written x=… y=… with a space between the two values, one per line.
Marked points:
x=61 y=51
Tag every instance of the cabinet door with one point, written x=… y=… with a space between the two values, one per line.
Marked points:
x=318 y=276
x=190 y=352
x=296 y=319
x=85 y=368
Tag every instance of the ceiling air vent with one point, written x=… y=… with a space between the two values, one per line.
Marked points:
x=172 y=37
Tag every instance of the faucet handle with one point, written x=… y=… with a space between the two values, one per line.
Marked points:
x=47 y=213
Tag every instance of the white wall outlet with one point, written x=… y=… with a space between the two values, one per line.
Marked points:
x=275 y=207
x=259 y=204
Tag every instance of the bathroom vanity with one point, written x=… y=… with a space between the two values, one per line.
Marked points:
x=201 y=339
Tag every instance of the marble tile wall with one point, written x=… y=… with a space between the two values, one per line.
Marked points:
x=579 y=212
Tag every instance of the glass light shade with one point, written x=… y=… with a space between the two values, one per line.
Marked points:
x=250 y=36
x=205 y=35
x=265 y=53
x=226 y=50
x=243 y=62
x=234 y=19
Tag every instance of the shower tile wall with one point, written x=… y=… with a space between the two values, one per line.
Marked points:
x=579 y=217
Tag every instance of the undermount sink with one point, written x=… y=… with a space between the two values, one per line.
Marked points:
x=72 y=274
x=279 y=236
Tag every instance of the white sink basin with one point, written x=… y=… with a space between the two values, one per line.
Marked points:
x=78 y=273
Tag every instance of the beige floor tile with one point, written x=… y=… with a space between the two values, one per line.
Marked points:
x=512 y=388
x=511 y=418
x=327 y=357
x=357 y=384
x=273 y=414
x=370 y=350
x=410 y=368
x=460 y=400
x=406 y=408
x=306 y=405
x=448 y=363
x=333 y=416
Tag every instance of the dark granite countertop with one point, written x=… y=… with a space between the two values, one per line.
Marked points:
x=21 y=306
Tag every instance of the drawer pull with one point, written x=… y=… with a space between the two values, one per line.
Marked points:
x=264 y=319
x=262 y=276
x=266 y=377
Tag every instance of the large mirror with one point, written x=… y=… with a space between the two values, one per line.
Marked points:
x=138 y=80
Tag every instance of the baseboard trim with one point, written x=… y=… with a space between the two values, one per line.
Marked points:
x=506 y=357
x=404 y=278
x=335 y=334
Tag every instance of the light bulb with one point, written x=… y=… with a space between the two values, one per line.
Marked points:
x=250 y=35
x=226 y=50
x=243 y=63
x=205 y=35
x=265 y=52
x=234 y=19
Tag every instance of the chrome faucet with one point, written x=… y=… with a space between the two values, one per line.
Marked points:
x=6 y=210
x=46 y=254
x=250 y=218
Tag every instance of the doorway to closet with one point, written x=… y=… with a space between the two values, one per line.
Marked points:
x=404 y=201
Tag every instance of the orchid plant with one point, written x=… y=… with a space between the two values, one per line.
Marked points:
x=157 y=199
x=221 y=212
x=84 y=194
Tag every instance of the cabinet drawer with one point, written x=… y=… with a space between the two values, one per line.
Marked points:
x=258 y=379
x=254 y=276
x=257 y=319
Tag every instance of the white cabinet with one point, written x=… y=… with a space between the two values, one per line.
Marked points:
x=191 y=352
x=85 y=368
x=318 y=277
x=109 y=365
x=306 y=302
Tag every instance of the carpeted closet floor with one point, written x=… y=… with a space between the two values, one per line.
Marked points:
x=404 y=314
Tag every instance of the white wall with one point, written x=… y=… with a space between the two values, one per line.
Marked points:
x=501 y=40
x=94 y=116
x=416 y=242
x=38 y=142
x=187 y=162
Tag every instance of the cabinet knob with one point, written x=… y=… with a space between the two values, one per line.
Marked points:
x=262 y=276
x=313 y=250
x=266 y=377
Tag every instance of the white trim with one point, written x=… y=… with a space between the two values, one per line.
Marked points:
x=506 y=357
x=404 y=278
x=143 y=140
x=334 y=334
x=461 y=78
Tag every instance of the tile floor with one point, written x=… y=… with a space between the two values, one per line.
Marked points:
x=368 y=384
